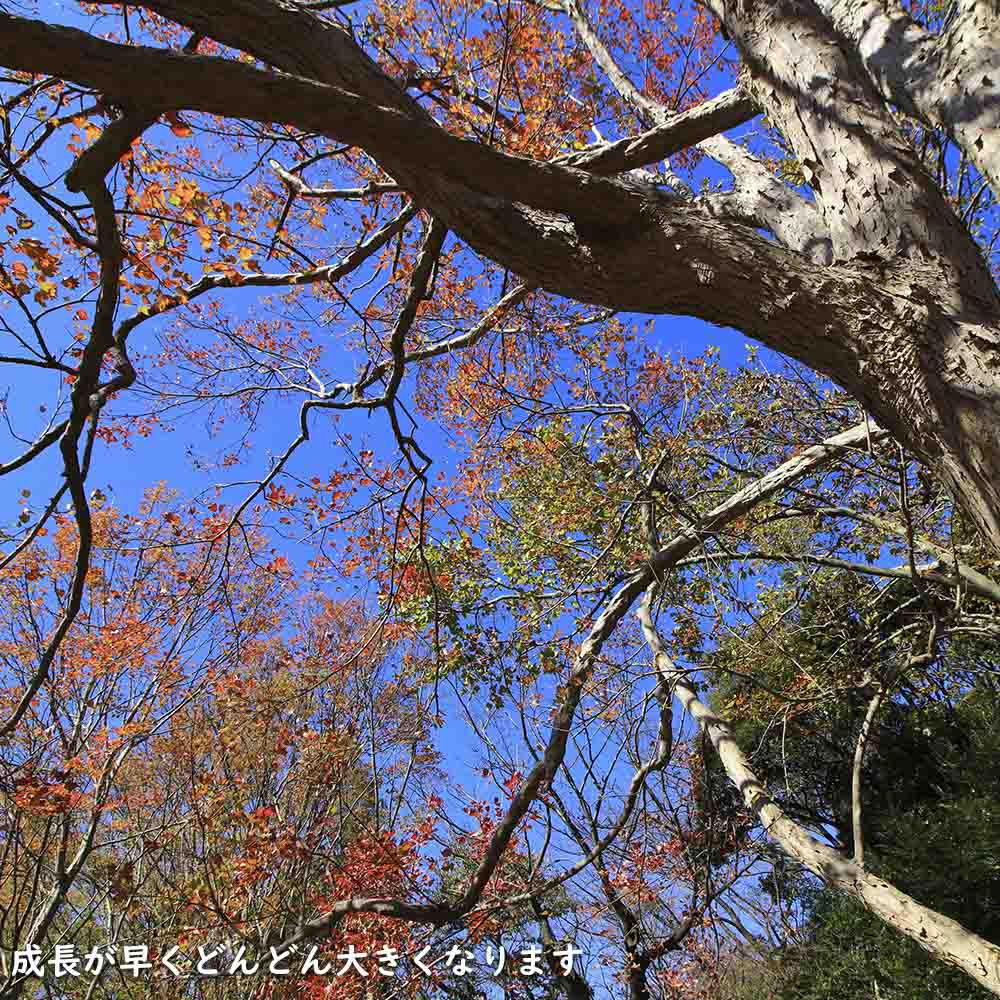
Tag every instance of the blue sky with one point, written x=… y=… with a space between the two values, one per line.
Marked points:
x=173 y=454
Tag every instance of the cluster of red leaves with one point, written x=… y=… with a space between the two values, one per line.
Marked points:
x=51 y=796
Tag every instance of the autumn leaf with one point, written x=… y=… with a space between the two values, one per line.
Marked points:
x=177 y=125
x=279 y=565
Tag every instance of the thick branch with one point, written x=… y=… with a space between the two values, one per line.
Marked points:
x=762 y=199
x=573 y=985
x=681 y=131
x=869 y=183
x=912 y=335
x=88 y=395
x=759 y=198
x=166 y=80
x=606 y=234
x=859 y=759
x=947 y=940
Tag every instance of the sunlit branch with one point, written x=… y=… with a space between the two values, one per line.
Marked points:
x=679 y=132
x=927 y=571
x=859 y=756
x=977 y=582
x=650 y=110
x=928 y=928
x=297 y=186
x=547 y=766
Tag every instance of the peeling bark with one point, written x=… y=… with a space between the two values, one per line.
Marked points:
x=949 y=81
x=760 y=199
x=870 y=186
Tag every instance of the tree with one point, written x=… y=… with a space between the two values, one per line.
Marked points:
x=843 y=952
x=420 y=175
x=207 y=771
x=875 y=281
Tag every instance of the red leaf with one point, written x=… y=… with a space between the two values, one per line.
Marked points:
x=177 y=125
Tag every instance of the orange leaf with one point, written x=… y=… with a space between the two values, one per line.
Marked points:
x=177 y=125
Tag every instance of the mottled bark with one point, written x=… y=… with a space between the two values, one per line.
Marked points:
x=761 y=199
x=937 y=374
x=949 y=81
x=872 y=190
x=906 y=320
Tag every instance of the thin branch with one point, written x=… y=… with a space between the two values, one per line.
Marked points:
x=616 y=609
x=296 y=185
x=859 y=756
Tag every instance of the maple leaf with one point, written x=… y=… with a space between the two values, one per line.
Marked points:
x=279 y=565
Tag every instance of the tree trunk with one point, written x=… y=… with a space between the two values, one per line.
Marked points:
x=937 y=934
x=949 y=81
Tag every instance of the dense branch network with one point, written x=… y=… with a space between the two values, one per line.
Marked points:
x=860 y=268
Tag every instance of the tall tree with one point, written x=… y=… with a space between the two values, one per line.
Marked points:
x=218 y=211
x=874 y=280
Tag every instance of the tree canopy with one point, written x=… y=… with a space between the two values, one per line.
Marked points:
x=394 y=571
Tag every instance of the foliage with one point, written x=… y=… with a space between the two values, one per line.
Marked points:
x=845 y=952
x=342 y=458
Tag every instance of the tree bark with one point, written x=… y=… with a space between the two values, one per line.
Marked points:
x=937 y=934
x=906 y=320
x=949 y=81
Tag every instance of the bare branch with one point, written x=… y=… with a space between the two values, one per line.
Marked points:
x=859 y=757
x=649 y=110
x=681 y=131
x=296 y=185
x=328 y=272
x=545 y=769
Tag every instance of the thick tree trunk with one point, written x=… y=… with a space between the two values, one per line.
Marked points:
x=949 y=81
x=871 y=188
x=907 y=320
x=928 y=358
